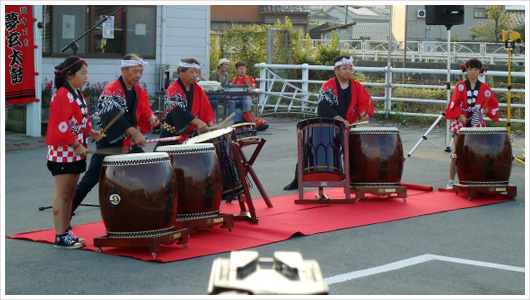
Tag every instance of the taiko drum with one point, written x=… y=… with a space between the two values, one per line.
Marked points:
x=199 y=179
x=222 y=140
x=376 y=156
x=321 y=146
x=483 y=156
x=137 y=194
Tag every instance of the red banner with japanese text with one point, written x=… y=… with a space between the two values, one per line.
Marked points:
x=20 y=55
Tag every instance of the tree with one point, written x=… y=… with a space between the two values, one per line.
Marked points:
x=491 y=30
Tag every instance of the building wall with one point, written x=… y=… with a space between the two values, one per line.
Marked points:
x=418 y=30
x=236 y=12
x=398 y=22
x=187 y=34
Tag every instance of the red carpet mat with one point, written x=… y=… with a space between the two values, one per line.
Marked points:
x=284 y=220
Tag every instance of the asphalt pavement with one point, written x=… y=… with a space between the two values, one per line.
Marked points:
x=475 y=251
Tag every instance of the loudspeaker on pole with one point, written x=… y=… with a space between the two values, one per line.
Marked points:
x=447 y=15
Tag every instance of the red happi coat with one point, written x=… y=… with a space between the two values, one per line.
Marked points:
x=201 y=107
x=66 y=125
x=360 y=99
x=244 y=80
x=458 y=105
x=143 y=111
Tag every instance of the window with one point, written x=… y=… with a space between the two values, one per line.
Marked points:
x=134 y=30
x=480 y=13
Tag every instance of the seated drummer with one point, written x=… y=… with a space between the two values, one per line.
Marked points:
x=341 y=98
x=187 y=106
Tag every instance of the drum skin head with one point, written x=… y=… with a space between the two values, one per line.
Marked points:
x=135 y=158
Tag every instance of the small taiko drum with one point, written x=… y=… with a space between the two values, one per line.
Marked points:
x=321 y=146
x=245 y=132
x=376 y=156
x=483 y=156
x=199 y=180
x=137 y=195
x=222 y=140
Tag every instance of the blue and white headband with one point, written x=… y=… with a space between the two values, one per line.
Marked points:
x=134 y=63
x=344 y=61
x=184 y=64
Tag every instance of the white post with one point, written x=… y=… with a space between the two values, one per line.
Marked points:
x=262 y=83
x=448 y=87
x=33 y=109
x=305 y=83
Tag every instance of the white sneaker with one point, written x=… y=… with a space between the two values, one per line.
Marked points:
x=449 y=185
x=75 y=238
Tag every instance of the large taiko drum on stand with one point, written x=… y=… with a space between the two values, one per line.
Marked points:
x=376 y=156
x=222 y=140
x=245 y=133
x=137 y=195
x=199 y=180
x=322 y=149
x=483 y=156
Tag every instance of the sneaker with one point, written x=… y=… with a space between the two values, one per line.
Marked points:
x=262 y=127
x=65 y=241
x=449 y=185
x=75 y=238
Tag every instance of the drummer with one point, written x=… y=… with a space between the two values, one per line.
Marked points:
x=187 y=106
x=122 y=95
x=471 y=100
x=342 y=98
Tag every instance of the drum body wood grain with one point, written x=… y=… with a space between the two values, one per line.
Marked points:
x=199 y=180
x=137 y=194
x=222 y=140
x=376 y=156
x=484 y=156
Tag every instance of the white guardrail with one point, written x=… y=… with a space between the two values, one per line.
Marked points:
x=281 y=96
x=430 y=51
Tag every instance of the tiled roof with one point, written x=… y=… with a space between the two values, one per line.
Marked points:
x=373 y=31
x=284 y=9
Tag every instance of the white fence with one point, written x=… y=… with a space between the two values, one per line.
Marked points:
x=293 y=96
x=430 y=51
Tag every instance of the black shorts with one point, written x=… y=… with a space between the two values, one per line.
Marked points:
x=76 y=167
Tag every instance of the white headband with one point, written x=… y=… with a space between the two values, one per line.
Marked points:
x=188 y=65
x=344 y=61
x=133 y=63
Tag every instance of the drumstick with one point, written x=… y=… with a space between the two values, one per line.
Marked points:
x=359 y=123
x=223 y=123
x=111 y=123
x=167 y=111
x=166 y=139
x=102 y=152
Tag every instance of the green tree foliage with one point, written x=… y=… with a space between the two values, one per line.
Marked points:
x=491 y=30
x=250 y=44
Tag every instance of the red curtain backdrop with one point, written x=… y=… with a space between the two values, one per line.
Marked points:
x=20 y=58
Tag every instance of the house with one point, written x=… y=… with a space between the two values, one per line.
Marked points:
x=418 y=30
x=162 y=34
x=319 y=16
x=323 y=32
x=223 y=16
x=351 y=22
